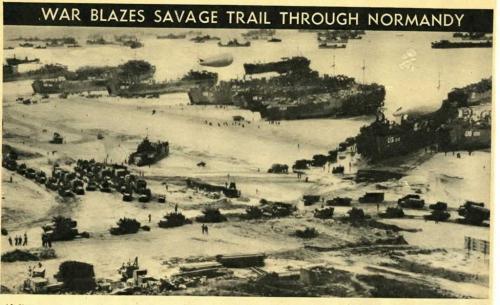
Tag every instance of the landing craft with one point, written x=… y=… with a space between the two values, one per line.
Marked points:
x=222 y=60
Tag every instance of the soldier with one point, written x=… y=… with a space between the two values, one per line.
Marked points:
x=202 y=229
x=206 y=229
x=10 y=241
x=44 y=240
x=25 y=243
x=149 y=217
x=176 y=207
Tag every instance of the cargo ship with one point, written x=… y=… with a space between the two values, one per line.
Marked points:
x=297 y=93
x=284 y=65
x=14 y=61
x=446 y=44
x=149 y=152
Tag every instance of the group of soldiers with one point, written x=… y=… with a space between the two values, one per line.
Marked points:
x=19 y=241
x=204 y=229
x=46 y=241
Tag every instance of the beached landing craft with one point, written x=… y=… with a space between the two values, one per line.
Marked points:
x=149 y=152
x=297 y=93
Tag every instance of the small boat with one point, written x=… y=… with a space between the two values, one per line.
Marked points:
x=274 y=39
x=234 y=43
x=26 y=45
x=328 y=45
x=171 y=36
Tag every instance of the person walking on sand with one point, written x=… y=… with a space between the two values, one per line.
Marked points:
x=10 y=241
x=203 y=229
x=206 y=229
x=149 y=218
x=176 y=207
x=25 y=243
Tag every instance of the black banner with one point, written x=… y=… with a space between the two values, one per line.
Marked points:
x=244 y=16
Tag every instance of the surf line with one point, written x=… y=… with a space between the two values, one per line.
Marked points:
x=420 y=20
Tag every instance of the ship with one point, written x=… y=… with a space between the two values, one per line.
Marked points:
x=331 y=45
x=63 y=86
x=297 y=93
x=446 y=44
x=222 y=60
x=149 y=152
x=98 y=40
x=14 y=61
x=201 y=39
x=284 y=65
x=274 y=39
x=26 y=45
x=452 y=127
x=193 y=79
x=261 y=34
x=133 y=44
x=171 y=36
x=234 y=43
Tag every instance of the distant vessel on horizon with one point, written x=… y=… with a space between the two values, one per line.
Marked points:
x=446 y=44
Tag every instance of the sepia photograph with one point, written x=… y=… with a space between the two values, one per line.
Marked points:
x=246 y=162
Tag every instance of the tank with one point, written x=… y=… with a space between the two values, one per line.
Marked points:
x=149 y=152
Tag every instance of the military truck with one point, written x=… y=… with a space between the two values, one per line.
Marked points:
x=61 y=228
x=372 y=197
x=393 y=212
x=56 y=139
x=278 y=169
x=324 y=213
x=339 y=201
x=174 y=219
x=474 y=212
x=125 y=226
x=411 y=201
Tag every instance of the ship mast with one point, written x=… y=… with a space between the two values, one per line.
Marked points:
x=364 y=69
x=333 y=64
